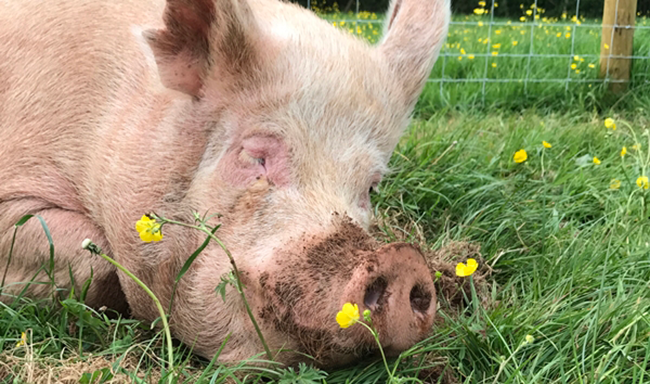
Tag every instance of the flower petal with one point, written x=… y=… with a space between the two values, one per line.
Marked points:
x=157 y=236
x=146 y=236
x=348 y=315
x=141 y=226
x=343 y=320
x=520 y=156
x=472 y=265
x=461 y=270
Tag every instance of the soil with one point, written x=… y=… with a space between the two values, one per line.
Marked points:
x=452 y=290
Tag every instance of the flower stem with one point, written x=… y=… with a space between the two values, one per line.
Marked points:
x=381 y=350
x=240 y=287
x=163 y=317
x=475 y=303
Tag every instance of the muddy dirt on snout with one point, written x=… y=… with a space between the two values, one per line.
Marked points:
x=310 y=271
x=317 y=270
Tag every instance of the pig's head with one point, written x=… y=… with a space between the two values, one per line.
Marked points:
x=301 y=120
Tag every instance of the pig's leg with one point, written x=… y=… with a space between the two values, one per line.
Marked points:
x=31 y=251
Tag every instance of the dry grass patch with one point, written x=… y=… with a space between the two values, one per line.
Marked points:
x=24 y=367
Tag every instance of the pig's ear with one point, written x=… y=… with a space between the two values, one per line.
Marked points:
x=199 y=34
x=414 y=31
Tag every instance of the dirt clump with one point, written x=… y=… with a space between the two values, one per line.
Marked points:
x=454 y=292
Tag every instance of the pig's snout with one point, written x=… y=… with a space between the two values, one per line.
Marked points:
x=395 y=284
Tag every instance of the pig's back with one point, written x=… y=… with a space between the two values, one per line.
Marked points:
x=63 y=66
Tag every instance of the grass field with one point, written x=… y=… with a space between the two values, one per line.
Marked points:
x=566 y=242
x=527 y=62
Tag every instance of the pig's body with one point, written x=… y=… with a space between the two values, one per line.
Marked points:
x=258 y=111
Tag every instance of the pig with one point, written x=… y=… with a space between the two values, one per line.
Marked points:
x=257 y=110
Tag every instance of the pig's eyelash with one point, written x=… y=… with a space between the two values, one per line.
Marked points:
x=374 y=188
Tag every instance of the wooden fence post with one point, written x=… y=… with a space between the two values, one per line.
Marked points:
x=617 y=42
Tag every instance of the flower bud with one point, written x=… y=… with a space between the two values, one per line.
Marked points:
x=86 y=243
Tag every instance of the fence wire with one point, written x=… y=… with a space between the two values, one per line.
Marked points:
x=530 y=51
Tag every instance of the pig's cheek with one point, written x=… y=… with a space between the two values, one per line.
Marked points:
x=364 y=203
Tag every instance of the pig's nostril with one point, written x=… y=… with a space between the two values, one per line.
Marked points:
x=420 y=298
x=375 y=293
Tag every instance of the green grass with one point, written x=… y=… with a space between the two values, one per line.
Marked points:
x=527 y=63
x=570 y=258
x=570 y=254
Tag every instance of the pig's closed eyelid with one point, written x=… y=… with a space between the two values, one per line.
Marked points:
x=256 y=153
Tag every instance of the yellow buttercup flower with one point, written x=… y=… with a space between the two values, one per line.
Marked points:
x=148 y=229
x=520 y=156
x=642 y=182
x=348 y=315
x=596 y=160
x=529 y=339
x=546 y=144
x=623 y=151
x=464 y=270
x=636 y=147
x=22 y=341
x=615 y=184
x=610 y=123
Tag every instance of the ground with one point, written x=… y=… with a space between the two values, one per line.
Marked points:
x=562 y=293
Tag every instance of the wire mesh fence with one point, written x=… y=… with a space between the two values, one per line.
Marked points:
x=489 y=56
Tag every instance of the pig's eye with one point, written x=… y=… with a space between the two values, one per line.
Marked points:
x=250 y=158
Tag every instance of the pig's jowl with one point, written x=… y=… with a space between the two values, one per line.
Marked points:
x=254 y=109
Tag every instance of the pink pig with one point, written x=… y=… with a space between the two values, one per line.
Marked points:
x=254 y=109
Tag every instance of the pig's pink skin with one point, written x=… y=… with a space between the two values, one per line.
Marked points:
x=253 y=157
x=111 y=109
